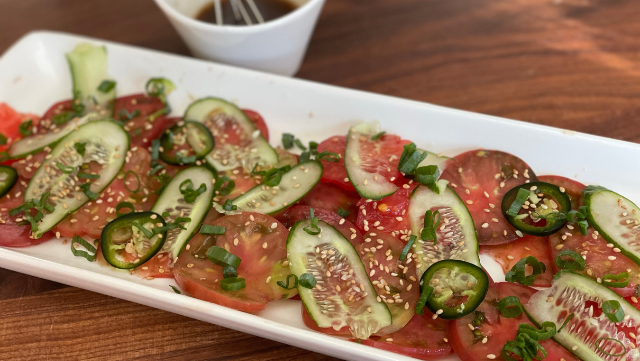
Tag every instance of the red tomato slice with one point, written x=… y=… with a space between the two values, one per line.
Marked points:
x=58 y=108
x=140 y=128
x=335 y=172
x=481 y=178
x=388 y=214
x=423 y=338
x=258 y=121
x=331 y=197
x=298 y=213
x=261 y=245
x=382 y=156
x=571 y=187
x=27 y=167
x=243 y=182
x=10 y=122
x=596 y=252
x=160 y=266
x=507 y=255
x=496 y=329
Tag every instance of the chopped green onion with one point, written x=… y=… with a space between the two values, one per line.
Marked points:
x=312 y=229
x=510 y=307
x=127 y=205
x=328 y=156
x=229 y=272
x=181 y=220
x=3 y=139
x=431 y=224
x=156 y=168
x=377 y=136
x=521 y=197
x=86 y=189
x=300 y=145
x=207 y=229
x=232 y=284
x=222 y=257
x=313 y=148
x=166 y=228
x=428 y=175
x=583 y=225
x=273 y=176
x=63 y=118
x=165 y=214
x=611 y=280
x=124 y=179
x=82 y=175
x=547 y=330
x=410 y=159
x=128 y=116
x=566 y=321
x=305 y=157
x=66 y=169
x=576 y=262
x=81 y=253
x=342 y=212
x=155 y=149
x=4 y=156
x=175 y=289
x=287 y=285
x=190 y=194
x=159 y=87
x=26 y=128
x=613 y=310
x=23 y=207
x=407 y=248
x=224 y=186
x=306 y=280
x=287 y=140
x=422 y=301
x=106 y=86
x=229 y=206
x=598 y=343
x=518 y=271
x=147 y=233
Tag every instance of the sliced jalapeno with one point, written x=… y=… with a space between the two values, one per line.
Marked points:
x=129 y=241
x=8 y=177
x=458 y=288
x=541 y=213
x=186 y=142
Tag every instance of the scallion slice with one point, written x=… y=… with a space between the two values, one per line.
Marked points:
x=81 y=148
x=232 y=284
x=66 y=169
x=377 y=136
x=428 y=176
x=312 y=229
x=576 y=262
x=306 y=280
x=106 y=86
x=147 y=233
x=207 y=229
x=407 y=248
x=521 y=197
x=80 y=253
x=424 y=297
x=175 y=289
x=26 y=128
x=510 y=307
x=124 y=179
x=229 y=272
x=601 y=349
x=620 y=280
x=126 y=205
x=410 y=158
x=222 y=257
x=518 y=271
x=613 y=310
x=288 y=286
x=224 y=185
x=287 y=140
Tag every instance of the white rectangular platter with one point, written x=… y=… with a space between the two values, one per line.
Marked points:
x=34 y=75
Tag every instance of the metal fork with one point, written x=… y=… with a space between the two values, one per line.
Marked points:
x=239 y=11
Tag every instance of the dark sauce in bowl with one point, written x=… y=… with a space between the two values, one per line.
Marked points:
x=270 y=10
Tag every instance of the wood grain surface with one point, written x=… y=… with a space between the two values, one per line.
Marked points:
x=568 y=63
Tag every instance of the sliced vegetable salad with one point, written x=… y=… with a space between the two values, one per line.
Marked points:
x=379 y=239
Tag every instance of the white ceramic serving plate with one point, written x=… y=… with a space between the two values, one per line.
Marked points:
x=34 y=75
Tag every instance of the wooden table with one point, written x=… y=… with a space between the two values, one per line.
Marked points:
x=574 y=64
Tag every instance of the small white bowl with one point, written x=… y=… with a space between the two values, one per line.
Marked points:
x=277 y=46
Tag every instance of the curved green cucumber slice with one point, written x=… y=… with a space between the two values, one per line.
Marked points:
x=37 y=142
x=369 y=185
x=106 y=143
x=568 y=294
x=433 y=159
x=456 y=233
x=88 y=64
x=335 y=301
x=171 y=200
x=294 y=185
x=616 y=218
x=222 y=117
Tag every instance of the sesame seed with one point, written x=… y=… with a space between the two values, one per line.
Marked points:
x=274 y=225
x=491 y=356
x=268 y=279
x=264 y=245
x=469 y=201
x=485 y=225
x=575 y=347
x=611 y=258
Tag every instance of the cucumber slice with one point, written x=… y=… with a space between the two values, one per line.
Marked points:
x=106 y=143
x=335 y=301
x=369 y=185
x=616 y=218
x=568 y=295
x=37 y=142
x=294 y=185
x=433 y=159
x=218 y=114
x=456 y=240
x=88 y=64
x=172 y=201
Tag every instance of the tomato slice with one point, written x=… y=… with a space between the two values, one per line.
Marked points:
x=10 y=122
x=27 y=167
x=507 y=255
x=290 y=216
x=572 y=188
x=141 y=128
x=382 y=155
x=335 y=172
x=597 y=253
x=259 y=241
x=388 y=214
x=331 y=197
x=423 y=338
x=495 y=328
x=58 y=108
x=258 y=121
x=481 y=178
